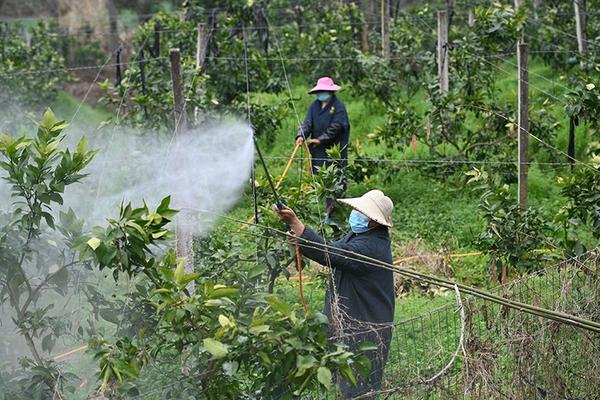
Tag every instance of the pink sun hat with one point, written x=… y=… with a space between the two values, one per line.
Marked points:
x=325 y=84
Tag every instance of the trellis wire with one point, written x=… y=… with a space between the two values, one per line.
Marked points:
x=431 y=279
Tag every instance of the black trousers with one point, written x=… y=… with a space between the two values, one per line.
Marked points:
x=380 y=336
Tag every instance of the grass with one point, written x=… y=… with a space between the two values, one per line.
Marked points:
x=66 y=106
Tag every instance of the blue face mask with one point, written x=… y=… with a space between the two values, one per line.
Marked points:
x=323 y=96
x=359 y=223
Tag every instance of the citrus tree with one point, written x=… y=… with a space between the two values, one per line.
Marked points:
x=30 y=73
x=35 y=252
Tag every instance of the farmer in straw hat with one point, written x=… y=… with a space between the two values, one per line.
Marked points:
x=365 y=292
x=326 y=125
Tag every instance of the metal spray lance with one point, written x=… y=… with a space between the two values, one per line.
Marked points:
x=280 y=206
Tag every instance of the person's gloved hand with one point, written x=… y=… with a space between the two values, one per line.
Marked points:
x=288 y=216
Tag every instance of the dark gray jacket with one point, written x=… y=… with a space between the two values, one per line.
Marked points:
x=366 y=292
x=331 y=126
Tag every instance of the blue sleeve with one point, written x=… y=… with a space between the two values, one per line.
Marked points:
x=312 y=246
x=306 y=127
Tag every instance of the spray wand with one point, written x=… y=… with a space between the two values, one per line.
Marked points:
x=278 y=203
x=280 y=206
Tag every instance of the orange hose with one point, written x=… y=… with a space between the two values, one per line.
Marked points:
x=68 y=353
x=308 y=161
x=299 y=264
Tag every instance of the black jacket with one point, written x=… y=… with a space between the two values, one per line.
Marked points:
x=366 y=292
x=330 y=125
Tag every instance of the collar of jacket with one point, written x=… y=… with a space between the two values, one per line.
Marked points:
x=378 y=230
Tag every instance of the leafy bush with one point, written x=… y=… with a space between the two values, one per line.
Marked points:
x=581 y=189
x=35 y=254
x=30 y=76
x=513 y=236
x=220 y=87
x=234 y=340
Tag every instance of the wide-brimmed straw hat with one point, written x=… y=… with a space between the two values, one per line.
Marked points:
x=374 y=204
x=325 y=84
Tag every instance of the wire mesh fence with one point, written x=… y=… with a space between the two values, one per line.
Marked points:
x=504 y=353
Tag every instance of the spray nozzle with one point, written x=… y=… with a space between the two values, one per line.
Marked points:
x=279 y=205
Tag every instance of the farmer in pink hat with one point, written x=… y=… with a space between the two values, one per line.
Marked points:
x=326 y=124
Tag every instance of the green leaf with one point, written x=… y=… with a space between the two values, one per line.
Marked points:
x=187 y=278
x=6 y=140
x=109 y=315
x=256 y=271
x=49 y=119
x=279 y=305
x=346 y=371
x=179 y=271
x=363 y=365
x=158 y=235
x=48 y=343
x=82 y=146
x=137 y=228
x=305 y=362
x=94 y=243
x=259 y=329
x=324 y=376
x=223 y=292
x=265 y=358
x=49 y=219
x=366 y=346
x=216 y=348
x=224 y=321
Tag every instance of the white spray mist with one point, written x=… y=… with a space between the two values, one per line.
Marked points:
x=202 y=169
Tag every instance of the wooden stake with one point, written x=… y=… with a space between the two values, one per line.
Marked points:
x=364 y=36
x=184 y=235
x=523 y=122
x=536 y=6
x=471 y=21
x=201 y=44
x=143 y=79
x=385 y=30
x=442 y=50
x=201 y=49
x=579 y=6
x=179 y=107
